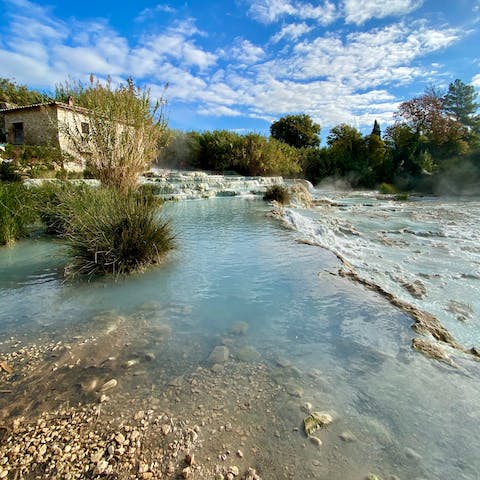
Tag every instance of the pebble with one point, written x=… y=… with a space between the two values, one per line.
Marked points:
x=187 y=472
x=233 y=470
x=347 y=437
x=315 y=440
x=108 y=385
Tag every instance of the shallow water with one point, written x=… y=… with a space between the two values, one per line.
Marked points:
x=425 y=242
x=323 y=339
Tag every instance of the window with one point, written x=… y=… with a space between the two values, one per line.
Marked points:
x=85 y=128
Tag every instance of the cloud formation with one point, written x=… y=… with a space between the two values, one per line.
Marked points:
x=334 y=76
x=359 y=11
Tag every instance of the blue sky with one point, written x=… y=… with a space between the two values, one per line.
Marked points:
x=243 y=64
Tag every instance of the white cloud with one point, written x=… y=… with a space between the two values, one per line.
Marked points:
x=359 y=11
x=247 y=52
x=292 y=32
x=323 y=14
x=219 y=111
x=332 y=77
x=269 y=11
x=148 y=13
x=476 y=81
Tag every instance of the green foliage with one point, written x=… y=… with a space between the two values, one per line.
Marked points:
x=48 y=198
x=250 y=154
x=16 y=212
x=109 y=231
x=319 y=164
x=298 y=131
x=125 y=130
x=376 y=130
x=459 y=102
x=9 y=172
x=387 y=189
x=32 y=161
x=277 y=193
x=12 y=93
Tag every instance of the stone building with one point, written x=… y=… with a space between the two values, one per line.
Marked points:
x=44 y=124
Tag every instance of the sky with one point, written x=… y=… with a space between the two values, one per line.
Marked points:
x=242 y=64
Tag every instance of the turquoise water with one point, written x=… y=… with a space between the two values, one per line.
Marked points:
x=346 y=348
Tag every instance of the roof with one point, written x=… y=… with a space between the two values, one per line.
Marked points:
x=34 y=106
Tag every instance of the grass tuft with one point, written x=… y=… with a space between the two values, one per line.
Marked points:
x=16 y=212
x=111 y=232
x=279 y=193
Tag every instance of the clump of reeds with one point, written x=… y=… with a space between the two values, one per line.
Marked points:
x=16 y=212
x=279 y=193
x=107 y=231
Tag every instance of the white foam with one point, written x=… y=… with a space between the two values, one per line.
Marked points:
x=431 y=243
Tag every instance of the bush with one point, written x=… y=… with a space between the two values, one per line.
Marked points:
x=16 y=212
x=109 y=231
x=48 y=199
x=33 y=161
x=250 y=154
x=388 y=189
x=125 y=130
x=279 y=193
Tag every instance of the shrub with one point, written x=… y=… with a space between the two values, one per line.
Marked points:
x=48 y=200
x=388 y=189
x=33 y=161
x=109 y=231
x=124 y=133
x=16 y=212
x=279 y=193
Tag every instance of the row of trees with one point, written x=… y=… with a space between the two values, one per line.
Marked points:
x=434 y=135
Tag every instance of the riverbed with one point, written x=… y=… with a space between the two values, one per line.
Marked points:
x=237 y=336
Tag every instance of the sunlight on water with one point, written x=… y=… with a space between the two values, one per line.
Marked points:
x=238 y=279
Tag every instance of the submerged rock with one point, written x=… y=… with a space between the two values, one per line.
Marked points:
x=294 y=390
x=347 y=437
x=239 y=328
x=219 y=354
x=248 y=354
x=316 y=420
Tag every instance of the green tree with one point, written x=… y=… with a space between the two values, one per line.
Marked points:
x=379 y=158
x=459 y=103
x=376 y=130
x=296 y=130
x=124 y=133
x=11 y=92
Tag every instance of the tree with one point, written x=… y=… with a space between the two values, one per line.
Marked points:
x=11 y=92
x=426 y=116
x=348 y=150
x=296 y=130
x=118 y=129
x=376 y=130
x=459 y=103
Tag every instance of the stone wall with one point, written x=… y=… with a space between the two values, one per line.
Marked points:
x=39 y=125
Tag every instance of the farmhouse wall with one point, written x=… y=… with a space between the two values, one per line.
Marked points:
x=39 y=125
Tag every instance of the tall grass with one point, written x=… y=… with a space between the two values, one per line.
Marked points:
x=109 y=231
x=16 y=212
